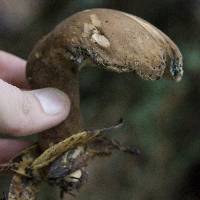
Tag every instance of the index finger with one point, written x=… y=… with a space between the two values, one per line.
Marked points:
x=13 y=70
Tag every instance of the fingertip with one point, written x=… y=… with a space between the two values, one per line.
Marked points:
x=28 y=112
x=53 y=101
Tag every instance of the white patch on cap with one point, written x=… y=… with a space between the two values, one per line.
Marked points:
x=95 y=20
x=101 y=40
x=88 y=28
x=91 y=30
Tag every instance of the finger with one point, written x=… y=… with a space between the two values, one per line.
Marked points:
x=28 y=112
x=13 y=69
x=10 y=148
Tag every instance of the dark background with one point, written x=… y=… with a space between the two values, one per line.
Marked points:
x=162 y=117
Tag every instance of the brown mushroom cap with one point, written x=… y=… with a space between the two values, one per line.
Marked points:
x=111 y=39
x=122 y=42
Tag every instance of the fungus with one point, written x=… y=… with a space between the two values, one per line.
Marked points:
x=109 y=39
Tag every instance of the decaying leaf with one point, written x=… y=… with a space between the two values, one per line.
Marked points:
x=23 y=188
x=75 y=140
x=58 y=149
x=64 y=164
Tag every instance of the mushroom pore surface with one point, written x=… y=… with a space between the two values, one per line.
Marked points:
x=110 y=39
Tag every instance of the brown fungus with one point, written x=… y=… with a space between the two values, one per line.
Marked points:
x=110 y=39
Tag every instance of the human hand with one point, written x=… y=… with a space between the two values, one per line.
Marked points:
x=22 y=111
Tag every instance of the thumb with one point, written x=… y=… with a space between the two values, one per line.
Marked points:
x=28 y=112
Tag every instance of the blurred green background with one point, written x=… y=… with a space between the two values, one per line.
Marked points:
x=162 y=117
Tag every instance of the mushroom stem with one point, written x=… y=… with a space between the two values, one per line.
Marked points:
x=69 y=126
x=62 y=74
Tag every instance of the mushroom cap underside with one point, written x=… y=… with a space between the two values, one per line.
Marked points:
x=117 y=41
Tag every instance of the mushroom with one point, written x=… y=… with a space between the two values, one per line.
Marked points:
x=109 y=39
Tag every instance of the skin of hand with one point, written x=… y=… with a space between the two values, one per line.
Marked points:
x=24 y=111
